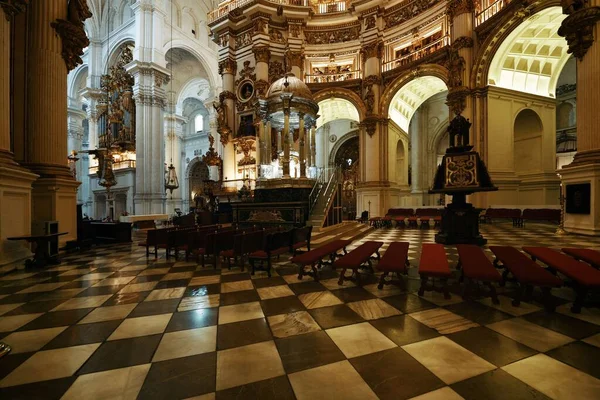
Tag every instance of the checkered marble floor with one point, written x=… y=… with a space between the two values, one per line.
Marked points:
x=109 y=323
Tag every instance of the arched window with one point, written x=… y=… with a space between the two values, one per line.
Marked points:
x=199 y=123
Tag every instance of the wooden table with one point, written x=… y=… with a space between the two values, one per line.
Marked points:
x=41 y=255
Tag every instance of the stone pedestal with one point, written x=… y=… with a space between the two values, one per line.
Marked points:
x=460 y=223
x=584 y=224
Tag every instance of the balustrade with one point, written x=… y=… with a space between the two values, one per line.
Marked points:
x=334 y=77
x=488 y=8
x=417 y=54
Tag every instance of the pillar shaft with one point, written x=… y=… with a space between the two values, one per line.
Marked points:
x=286 y=144
x=4 y=86
x=301 y=152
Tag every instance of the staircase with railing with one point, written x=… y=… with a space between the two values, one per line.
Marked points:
x=322 y=196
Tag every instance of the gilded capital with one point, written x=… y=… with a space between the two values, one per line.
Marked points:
x=295 y=59
x=459 y=7
x=262 y=54
x=373 y=50
x=227 y=66
x=13 y=7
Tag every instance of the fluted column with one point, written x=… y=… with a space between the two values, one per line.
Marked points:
x=301 y=150
x=579 y=26
x=285 y=133
x=15 y=181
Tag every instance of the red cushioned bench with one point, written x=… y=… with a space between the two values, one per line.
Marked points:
x=315 y=257
x=590 y=256
x=477 y=267
x=583 y=276
x=526 y=272
x=355 y=259
x=434 y=264
x=394 y=260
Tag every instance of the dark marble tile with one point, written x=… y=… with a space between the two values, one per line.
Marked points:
x=20 y=298
x=244 y=296
x=192 y=291
x=496 y=385
x=491 y=346
x=235 y=277
x=84 y=334
x=146 y=278
x=121 y=353
x=334 y=316
x=243 y=333
x=124 y=274
x=154 y=307
x=181 y=378
x=307 y=287
x=56 y=279
x=45 y=390
x=80 y=284
x=271 y=389
x=193 y=319
x=282 y=305
x=57 y=318
x=477 y=312
x=269 y=282
x=100 y=290
x=572 y=327
x=12 y=290
x=394 y=374
x=172 y=284
x=126 y=298
x=408 y=303
x=189 y=268
x=580 y=355
x=206 y=271
x=307 y=351
x=353 y=294
x=12 y=361
x=35 y=307
x=403 y=329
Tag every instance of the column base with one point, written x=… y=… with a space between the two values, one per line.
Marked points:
x=15 y=214
x=148 y=204
x=55 y=199
x=580 y=173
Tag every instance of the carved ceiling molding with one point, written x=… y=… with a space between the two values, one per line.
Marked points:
x=578 y=27
x=372 y=50
x=333 y=34
x=407 y=10
x=13 y=7
x=72 y=32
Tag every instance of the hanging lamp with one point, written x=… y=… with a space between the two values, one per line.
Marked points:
x=171 y=181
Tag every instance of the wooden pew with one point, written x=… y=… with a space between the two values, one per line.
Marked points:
x=300 y=238
x=315 y=257
x=590 y=256
x=276 y=243
x=583 y=276
x=356 y=258
x=394 y=260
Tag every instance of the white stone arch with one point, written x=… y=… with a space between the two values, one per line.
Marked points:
x=114 y=51
x=207 y=58
x=74 y=80
x=124 y=6
x=174 y=6
x=411 y=96
x=532 y=56
x=195 y=20
x=335 y=108
x=195 y=87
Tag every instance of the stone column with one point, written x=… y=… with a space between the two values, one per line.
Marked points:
x=227 y=69
x=15 y=181
x=581 y=29
x=285 y=138
x=54 y=193
x=313 y=145
x=174 y=133
x=75 y=117
x=150 y=74
x=301 y=149
x=295 y=59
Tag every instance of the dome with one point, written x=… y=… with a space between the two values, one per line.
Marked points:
x=296 y=86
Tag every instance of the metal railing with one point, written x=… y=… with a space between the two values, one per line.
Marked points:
x=336 y=77
x=324 y=175
x=417 y=54
x=488 y=12
x=566 y=140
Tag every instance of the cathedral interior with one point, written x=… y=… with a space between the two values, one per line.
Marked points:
x=299 y=199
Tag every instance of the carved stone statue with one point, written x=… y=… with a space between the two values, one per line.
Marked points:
x=459 y=128
x=456 y=66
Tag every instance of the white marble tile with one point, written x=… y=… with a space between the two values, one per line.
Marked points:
x=177 y=275
x=532 y=335
x=297 y=323
x=50 y=364
x=165 y=294
x=43 y=287
x=332 y=284
x=14 y=322
x=438 y=299
x=591 y=314
x=247 y=364
x=447 y=360
x=444 y=321
x=388 y=290
x=332 y=381
x=114 y=281
x=26 y=341
x=274 y=292
x=359 y=339
x=138 y=287
x=593 y=340
x=141 y=326
x=82 y=302
x=319 y=299
x=95 y=276
x=554 y=379
x=125 y=384
x=186 y=343
x=205 y=280
x=444 y=393
x=238 y=286
x=154 y=271
x=197 y=302
x=373 y=309
x=108 y=313
x=240 y=312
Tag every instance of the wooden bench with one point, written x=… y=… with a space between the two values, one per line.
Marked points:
x=157 y=239
x=434 y=264
x=513 y=214
x=315 y=257
x=540 y=214
x=476 y=267
x=590 y=256
x=427 y=214
x=394 y=260
x=526 y=272
x=276 y=244
x=356 y=258
x=583 y=276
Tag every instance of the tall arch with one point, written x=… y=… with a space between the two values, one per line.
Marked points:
x=207 y=58
x=345 y=94
x=528 y=131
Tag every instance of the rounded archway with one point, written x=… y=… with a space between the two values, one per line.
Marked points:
x=346 y=158
x=198 y=174
x=528 y=135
